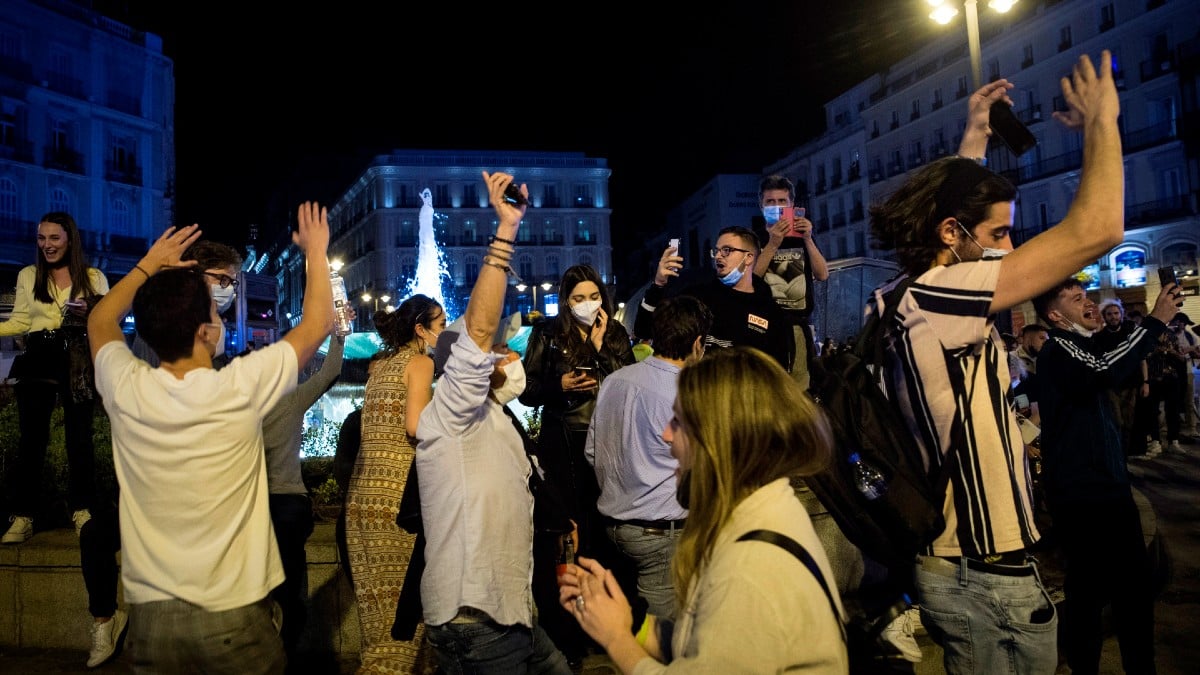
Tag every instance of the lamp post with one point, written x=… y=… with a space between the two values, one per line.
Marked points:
x=546 y=285
x=943 y=12
x=367 y=297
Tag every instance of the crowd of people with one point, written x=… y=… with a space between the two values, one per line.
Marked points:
x=660 y=513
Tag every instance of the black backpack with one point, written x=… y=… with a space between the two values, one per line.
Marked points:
x=894 y=527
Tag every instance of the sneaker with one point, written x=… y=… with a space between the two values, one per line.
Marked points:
x=79 y=518
x=22 y=529
x=914 y=615
x=899 y=635
x=1175 y=447
x=1153 y=449
x=107 y=638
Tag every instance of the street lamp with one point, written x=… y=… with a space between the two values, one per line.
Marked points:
x=367 y=297
x=546 y=285
x=943 y=12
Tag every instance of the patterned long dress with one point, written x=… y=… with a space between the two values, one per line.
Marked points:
x=379 y=551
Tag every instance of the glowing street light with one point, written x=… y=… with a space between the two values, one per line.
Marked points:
x=367 y=297
x=944 y=11
x=546 y=285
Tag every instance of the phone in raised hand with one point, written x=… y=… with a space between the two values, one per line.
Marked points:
x=674 y=243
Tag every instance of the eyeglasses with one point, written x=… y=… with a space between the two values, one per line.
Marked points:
x=725 y=251
x=223 y=279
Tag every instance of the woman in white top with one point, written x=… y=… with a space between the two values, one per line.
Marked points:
x=52 y=301
x=742 y=426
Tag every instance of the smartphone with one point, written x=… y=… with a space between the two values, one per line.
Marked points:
x=512 y=194
x=674 y=243
x=1011 y=130
x=789 y=212
x=1166 y=275
x=583 y=370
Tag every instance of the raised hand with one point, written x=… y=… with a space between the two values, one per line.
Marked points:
x=668 y=266
x=170 y=245
x=979 y=106
x=1089 y=94
x=312 y=235
x=508 y=213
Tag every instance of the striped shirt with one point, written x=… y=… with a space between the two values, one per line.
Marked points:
x=949 y=371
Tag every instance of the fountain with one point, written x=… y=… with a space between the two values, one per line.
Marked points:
x=431 y=262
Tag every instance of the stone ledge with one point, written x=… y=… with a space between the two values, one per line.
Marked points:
x=43 y=602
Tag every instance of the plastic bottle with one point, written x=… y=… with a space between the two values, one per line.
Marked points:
x=566 y=557
x=867 y=478
x=341 y=305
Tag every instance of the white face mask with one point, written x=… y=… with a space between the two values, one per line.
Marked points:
x=514 y=384
x=222 y=296
x=219 y=347
x=586 y=312
x=986 y=253
x=1079 y=330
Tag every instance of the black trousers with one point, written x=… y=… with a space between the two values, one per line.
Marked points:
x=99 y=541
x=292 y=518
x=1106 y=564
x=35 y=402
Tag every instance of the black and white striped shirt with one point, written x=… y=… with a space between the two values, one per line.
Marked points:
x=948 y=368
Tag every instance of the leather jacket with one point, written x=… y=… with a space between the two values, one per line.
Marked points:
x=546 y=361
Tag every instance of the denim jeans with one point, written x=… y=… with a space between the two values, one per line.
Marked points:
x=988 y=623
x=485 y=647
x=651 y=555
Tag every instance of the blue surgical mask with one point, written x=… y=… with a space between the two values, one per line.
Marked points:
x=735 y=275
x=772 y=213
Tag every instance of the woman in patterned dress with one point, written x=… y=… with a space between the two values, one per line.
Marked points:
x=399 y=387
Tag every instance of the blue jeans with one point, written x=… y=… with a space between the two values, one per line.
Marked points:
x=651 y=554
x=988 y=623
x=485 y=647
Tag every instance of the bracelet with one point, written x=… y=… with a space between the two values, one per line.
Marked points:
x=495 y=238
x=488 y=260
x=500 y=253
x=139 y=268
x=981 y=161
x=643 y=634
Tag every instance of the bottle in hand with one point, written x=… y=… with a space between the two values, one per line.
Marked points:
x=567 y=556
x=341 y=305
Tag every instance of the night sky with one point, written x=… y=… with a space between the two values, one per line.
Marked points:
x=273 y=109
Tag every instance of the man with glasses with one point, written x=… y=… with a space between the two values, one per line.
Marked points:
x=744 y=313
x=220 y=264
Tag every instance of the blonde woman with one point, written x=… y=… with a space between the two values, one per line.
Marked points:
x=742 y=426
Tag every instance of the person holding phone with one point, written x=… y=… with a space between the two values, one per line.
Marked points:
x=790 y=262
x=50 y=308
x=567 y=358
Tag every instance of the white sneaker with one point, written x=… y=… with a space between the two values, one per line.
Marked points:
x=899 y=634
x=106 y=637
x=21 y=530
x=914 y=615
x=80 y=517
x=1153 y=449
x=1175 y=447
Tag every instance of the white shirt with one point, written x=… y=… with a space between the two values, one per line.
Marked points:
x=475 y=501
x=188 y=453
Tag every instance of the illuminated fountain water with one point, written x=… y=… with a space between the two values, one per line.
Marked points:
x=431 y=261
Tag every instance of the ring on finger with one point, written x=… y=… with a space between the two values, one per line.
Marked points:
x=579 y=603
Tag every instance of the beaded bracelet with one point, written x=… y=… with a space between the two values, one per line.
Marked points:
x=500 y=253
x=495 y=239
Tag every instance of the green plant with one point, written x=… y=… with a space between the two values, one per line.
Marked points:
x=533 y=422
x=328 y=493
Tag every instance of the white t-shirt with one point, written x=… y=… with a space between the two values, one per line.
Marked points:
x=195 y=517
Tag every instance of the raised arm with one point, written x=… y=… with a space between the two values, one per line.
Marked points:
x=104 y=323
x=975 y=136
x=1096 y=220
x=487 y=298
x=317 y=321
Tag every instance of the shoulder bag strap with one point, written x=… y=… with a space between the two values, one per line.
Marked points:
x=792 y=546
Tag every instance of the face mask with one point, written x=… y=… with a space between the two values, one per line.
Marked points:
x=222 y=296
x=514 y=385
x=1079 y=330
x=586 y=312
x=988 y=253
x=735 y=275
x=772 y=214
x=219 y=348
x=683 y=489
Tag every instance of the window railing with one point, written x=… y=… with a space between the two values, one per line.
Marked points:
x=1157 y=211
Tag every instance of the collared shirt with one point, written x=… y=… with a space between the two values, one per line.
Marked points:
x=633 y=463
x=30 y=315
x=476 y=506
x=948 y=367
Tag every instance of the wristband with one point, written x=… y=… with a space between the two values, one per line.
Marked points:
x=139 y=268
x=643 y=634
x=496 y=238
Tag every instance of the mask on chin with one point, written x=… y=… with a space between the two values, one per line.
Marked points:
x=514 y=383
x=222 y=296
x=683 y=489
x=1079 y=330
x=735 y=275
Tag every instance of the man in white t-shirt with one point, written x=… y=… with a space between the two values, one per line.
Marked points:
x=199 y=556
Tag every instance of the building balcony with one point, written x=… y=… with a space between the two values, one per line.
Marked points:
x=857 y=213
x=63 y=160
x=895 y=169
x=552 y=240
x=853 y=174
x=1156 y=67
x=13 y=230
x=1158 y=211
x=130 y=174
x=1108 y=25
x=838 y=220
x=63 y=84
x=21 y=151
x=585 y=241
x=936 y=105
x=124 y=103
x=1155 y=134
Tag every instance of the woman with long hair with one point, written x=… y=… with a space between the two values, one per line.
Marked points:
x=399 y=387
x=742 y=428
x=567 y=358
x=52 y=301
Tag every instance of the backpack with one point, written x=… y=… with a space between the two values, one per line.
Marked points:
x=897 y=525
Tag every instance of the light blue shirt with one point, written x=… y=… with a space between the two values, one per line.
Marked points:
x=633 y=463
x=475 y=501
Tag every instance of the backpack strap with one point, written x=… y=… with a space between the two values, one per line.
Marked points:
x=792 y=546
